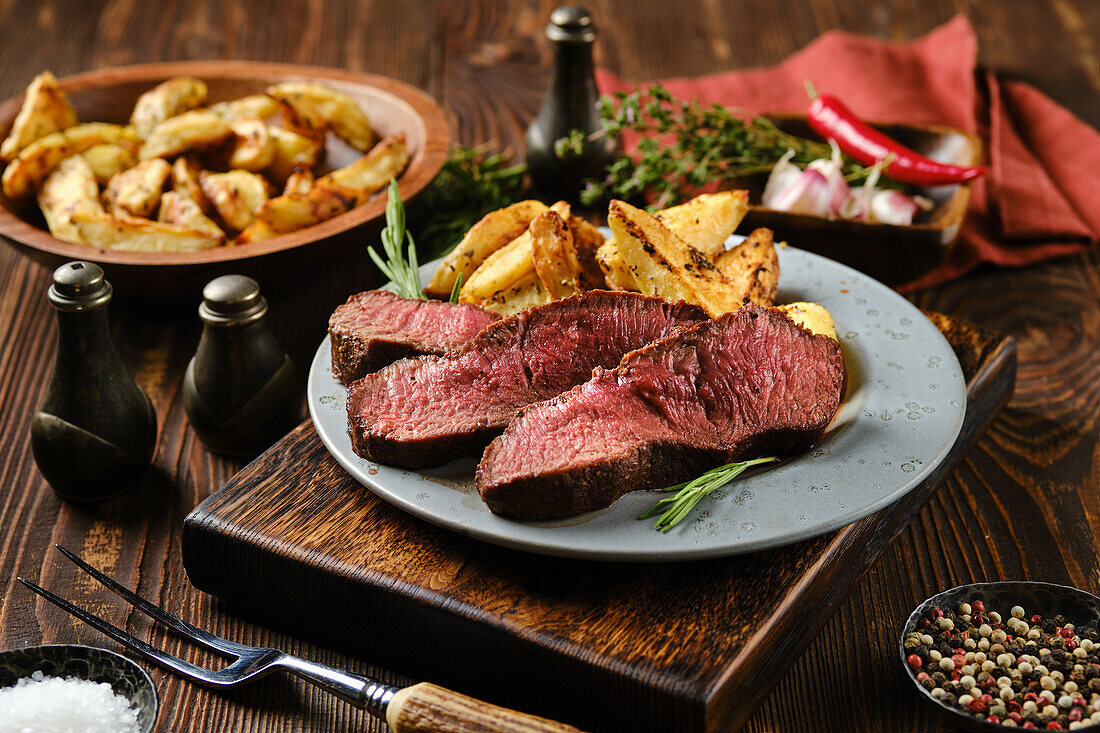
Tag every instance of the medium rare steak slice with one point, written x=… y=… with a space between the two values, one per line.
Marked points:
x=377 y=328
x=749 y=384
x=430 y=410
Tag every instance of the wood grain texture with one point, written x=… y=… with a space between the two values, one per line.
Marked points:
x=1023 y=503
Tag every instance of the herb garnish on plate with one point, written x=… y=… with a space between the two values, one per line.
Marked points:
x=688 y=494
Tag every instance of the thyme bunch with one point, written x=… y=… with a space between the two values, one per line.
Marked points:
x=685 y=146
x=676 y=508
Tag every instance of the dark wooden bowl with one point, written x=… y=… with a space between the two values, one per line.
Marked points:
x=891 y=254
x=108 y=95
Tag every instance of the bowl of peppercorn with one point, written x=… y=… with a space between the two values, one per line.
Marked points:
x=1016 y=654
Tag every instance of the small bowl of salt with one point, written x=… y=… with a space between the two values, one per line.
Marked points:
x=66 y=688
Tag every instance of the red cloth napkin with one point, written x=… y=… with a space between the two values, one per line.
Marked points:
x=1041 y=198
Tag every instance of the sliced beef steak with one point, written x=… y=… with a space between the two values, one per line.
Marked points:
x=377 y=328
x=749 y=384
x=429 y=410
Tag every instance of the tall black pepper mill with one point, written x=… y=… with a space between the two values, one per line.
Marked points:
x=95 y=434
x=240 y=389
x=570 y=104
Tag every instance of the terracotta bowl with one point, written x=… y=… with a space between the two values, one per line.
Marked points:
x=108 y=95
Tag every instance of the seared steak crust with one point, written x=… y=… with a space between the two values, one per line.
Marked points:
x=748 y=384
x=377 y=328
x=430 y=410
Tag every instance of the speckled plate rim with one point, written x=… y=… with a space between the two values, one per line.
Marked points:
x=982 y=591
x=143 y=674
x=789 y=502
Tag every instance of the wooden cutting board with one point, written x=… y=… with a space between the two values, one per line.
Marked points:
x=607 y=647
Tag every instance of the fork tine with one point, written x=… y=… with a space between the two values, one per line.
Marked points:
x=194 y=633
x=138 y=646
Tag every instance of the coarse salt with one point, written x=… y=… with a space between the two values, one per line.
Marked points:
x=41 y=704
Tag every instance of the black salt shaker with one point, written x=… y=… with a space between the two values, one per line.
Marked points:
x=96 y=431
x=240 y=389
x=570 y=104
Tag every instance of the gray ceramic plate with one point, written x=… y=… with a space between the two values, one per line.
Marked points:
x=902 y=412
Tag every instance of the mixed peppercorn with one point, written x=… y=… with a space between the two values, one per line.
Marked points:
x=1015 y=670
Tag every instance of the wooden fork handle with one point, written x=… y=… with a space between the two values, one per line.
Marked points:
x=428 y=708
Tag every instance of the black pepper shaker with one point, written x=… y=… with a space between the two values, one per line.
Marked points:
x=96 y=431
x=240 y=388
x=570 y=104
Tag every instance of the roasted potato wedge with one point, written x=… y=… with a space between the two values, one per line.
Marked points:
x=110 y=159
x=290 y=212
x=136 y=192
x=374 y=170
x=187 y=131
x=316 y=106
x=177 y=208
x=69 y=190
x=45 y=109
x=235 y=196
x=292 y=151
x=141 y=235
x=587 y=241
x=527 y=293
x=665 y=265
x=300 y=181
x=752 y=267
x=495 y=230
x=257 y=231
x=706 y=221
x=165 y=100
x=812 y=317
x=554 y=256
x=259 y=106
x=253 y=148
x=24 y=174
x=185 y=181
x=615 y=270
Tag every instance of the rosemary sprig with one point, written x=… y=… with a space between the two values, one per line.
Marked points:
x=471 y=183
x=400 y=267
x=690 y=493
x=457 y=287
x=686 y=145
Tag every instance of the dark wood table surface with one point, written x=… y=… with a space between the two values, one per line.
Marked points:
x=1024 y=503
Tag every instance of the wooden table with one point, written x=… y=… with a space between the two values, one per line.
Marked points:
x=1025 y=503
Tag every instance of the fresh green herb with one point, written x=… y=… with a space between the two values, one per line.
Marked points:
x=690 y=493
x=471 y=184
x=456 y=288
x=685 y=146
x=400 y=267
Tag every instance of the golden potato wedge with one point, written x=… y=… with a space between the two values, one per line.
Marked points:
x=187 y=131
x=586 y=242
x=292 y=151
x=235 y=195
x=752 y=267
x=300 y=181
x=495 y=230
x=665 y=265
x=554 y=255
x=69 y=190
x=259 y=106
x=165 y=100
x=505 y=267
x=45 y=109
x=185 y=181
x=24 y=174
x=177 y=208
x=317 y=106
x=615 y=270
x=136 y=192
x=110 y=159
x=128 y=234
x=527 y=293
x=812 y=317
x=374 y=170
x=253 y=148
x=293 y=211
x=257 y=231
x=706 y=221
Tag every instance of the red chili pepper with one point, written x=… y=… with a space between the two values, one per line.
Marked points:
x=831 y=118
